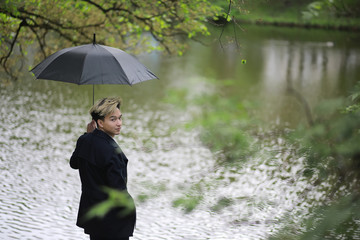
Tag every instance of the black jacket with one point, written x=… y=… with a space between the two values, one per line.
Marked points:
x=101 y=163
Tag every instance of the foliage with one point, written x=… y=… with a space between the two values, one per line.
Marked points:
x=264 y=9
x=231 y=9
x=192 y=199
x=355 y=99
x=188 y=202
x=335 y=221
x=131 y=25
x=300 y=13
x=338 y=220
x=224 y=123
x=312 y=10
x=332 y=8
x=331 y=148
x=116 y=199
x=221 y=204
x=153 y=190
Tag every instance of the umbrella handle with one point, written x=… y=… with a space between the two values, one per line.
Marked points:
x=93 y=94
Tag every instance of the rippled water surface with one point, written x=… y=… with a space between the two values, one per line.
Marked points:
x=41 y=121
x=40 y=192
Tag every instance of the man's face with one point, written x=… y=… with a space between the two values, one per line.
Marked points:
x=111 y=123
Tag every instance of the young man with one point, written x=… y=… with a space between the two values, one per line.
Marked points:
x=102 y=163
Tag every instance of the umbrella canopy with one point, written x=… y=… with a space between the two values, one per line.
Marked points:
x=93 y=64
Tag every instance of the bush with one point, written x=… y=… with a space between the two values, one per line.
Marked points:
x=331 y=149
x=224 y=123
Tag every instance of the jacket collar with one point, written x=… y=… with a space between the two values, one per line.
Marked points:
x=106 y=136
x=102 y=134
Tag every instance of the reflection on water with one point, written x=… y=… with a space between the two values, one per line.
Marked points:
x=41 y=121
x=316 y=70
x=317 y=64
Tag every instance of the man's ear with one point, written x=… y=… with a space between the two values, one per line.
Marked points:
x=100 y=123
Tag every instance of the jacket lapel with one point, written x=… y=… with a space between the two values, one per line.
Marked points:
x=113 y=143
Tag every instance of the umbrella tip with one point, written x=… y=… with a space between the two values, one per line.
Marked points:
x=94 y=39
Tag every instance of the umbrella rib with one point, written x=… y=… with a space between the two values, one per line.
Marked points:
x=126 y=77
x=82 y=70
x=100 y=63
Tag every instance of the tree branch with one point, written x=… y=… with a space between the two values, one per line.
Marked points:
x=164 y=19
x=40 y=42
x=223 y=28
x=4 y=59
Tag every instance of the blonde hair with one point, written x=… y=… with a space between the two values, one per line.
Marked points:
x=104 y=107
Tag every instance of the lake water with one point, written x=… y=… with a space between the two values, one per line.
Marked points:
x=41 y=121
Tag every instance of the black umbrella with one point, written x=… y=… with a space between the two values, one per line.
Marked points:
x=93 y=64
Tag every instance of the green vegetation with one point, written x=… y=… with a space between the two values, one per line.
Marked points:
x=331 y=150
x=152 y=191
x=135 y=26
x=222 y=203
x=330 y=146
x=224 y=123
x=116 y=199
x=334 y=221
x=188 y=203
x=138 y=26
x=329 y=14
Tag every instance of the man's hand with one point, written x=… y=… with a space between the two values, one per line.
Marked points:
x=91 y=126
